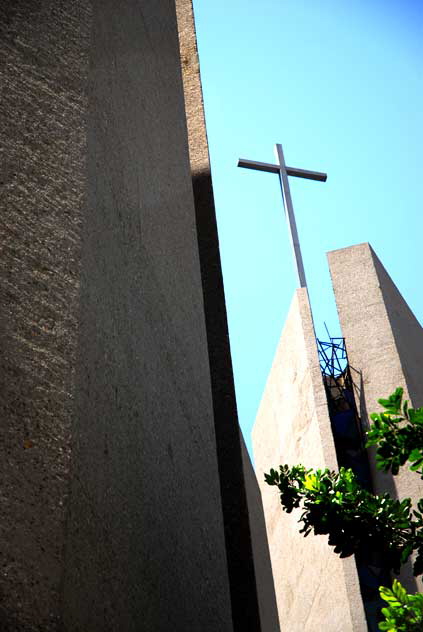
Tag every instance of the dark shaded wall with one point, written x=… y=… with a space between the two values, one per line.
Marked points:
x=44 y=51
x=269 y=618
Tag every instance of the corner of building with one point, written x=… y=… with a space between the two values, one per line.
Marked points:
x=384 y=342
x=293 y=426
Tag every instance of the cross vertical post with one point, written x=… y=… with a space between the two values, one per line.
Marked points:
x=283 y=171
x=289 y=209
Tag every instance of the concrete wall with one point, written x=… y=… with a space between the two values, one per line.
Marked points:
x=106 y=387
x=252 y=595
x=315 y=589
x=269 y=618
x=45 y=56
x=145 y=538
x=384 y=344
x=124 y=499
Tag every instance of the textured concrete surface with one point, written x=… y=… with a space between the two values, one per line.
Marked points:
x=315 y=589
x=44 y=63
x=145 y=544
x=269 y=618
x=384 y=343
x=240 y=531
x=124 y=503
x=102 y=289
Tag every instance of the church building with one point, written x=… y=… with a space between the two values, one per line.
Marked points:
x=128 y=501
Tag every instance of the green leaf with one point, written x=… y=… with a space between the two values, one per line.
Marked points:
x=416 y=465
x=415 y=454
x=406 y=553
x=399 y=592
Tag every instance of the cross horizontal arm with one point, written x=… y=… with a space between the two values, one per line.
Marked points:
x=304 y=173
x=291 y=171
x=258 y=166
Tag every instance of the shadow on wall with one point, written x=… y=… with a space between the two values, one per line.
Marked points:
x=245 y=609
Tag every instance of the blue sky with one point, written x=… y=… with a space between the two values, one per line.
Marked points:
x=340 y=85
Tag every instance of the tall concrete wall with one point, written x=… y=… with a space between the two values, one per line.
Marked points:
x=384 y=344
x=269 y=618
x=44 y=47
x=252 y=595
x=315 y=589
x=145 y=546
x=121 y=450
x=384 y=341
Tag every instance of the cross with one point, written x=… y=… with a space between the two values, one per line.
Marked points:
x=284 y=172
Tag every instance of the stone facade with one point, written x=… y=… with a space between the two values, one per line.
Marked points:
x=124 y=504
x=315 y=589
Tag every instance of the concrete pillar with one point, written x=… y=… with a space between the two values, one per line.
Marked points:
x=384 y=342
x=315 y=589
x=385 y=348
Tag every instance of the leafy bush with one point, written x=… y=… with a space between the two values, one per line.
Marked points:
x=356 y=521
x=359 y=522
x=404 y=612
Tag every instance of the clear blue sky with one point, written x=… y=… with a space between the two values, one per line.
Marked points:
x=340 y=84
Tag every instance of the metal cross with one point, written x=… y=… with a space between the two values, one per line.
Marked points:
x=284 y=172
